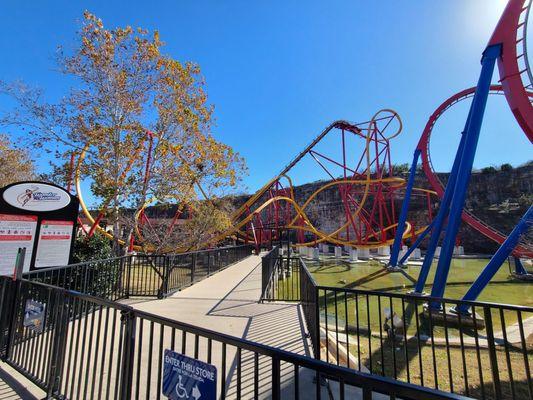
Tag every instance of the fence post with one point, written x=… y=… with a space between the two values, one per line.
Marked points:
x=166 y=274
x=127 y=318
x=193 y=267
x=317 y=324
x=208 y=262
x=492 y=352
x=276 y=379
x=9 y=319
x=128 y=276
x=119 y=290
x=59 y=346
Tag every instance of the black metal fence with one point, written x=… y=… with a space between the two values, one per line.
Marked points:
x=269 y=267
x=310 y=305
x=102 y=278
x=188 y=268
x=281 y=276
x=485 y=355
x=140 y=275
x=88 y=347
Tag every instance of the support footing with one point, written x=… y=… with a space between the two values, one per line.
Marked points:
x=523 y=277
x=453 y=319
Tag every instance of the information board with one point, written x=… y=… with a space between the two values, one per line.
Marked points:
x=49 y=213
x=188 y=378
x=53 y=248
x=16 y=231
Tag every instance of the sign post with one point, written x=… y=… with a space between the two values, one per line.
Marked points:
x=19 y=264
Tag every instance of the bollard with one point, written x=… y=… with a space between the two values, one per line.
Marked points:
x=353 y=255
x=363 y=253
x=384 y=251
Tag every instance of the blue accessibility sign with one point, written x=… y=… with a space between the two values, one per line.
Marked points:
x=188 y=378
x=34 y=315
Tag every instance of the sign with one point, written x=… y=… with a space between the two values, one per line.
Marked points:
x=53 y=247
x=34 y=315
x=188 y=378
x=36 y=196
x=55 y=212
x=16 y=231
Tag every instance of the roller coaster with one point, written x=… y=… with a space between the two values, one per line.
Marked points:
x=364 y=182
x=363 y=179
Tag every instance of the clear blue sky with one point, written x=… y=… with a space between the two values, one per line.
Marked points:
x=278 y=72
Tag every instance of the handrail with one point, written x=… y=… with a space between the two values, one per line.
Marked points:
x=512 y=307
x=80 y=264
x=348 y=376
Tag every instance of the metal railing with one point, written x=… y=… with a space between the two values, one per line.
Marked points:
x=486 y=354
x=269 y=267
x=101 y=278
x=188 y=268
x=280 y=279
x=140 y=275
x=88 y=347
x=310 y=305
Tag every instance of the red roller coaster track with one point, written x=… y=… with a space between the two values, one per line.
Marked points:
x=511 y=33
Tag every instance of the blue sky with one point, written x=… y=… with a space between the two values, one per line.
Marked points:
x=278 y=72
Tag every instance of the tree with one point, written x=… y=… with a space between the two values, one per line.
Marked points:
x=488 y=170
x=16 y=163
x=506 y=167
x=132 y=103
x=400 y=169
x=204 y=221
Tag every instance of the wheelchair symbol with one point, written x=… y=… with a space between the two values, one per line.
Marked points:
x=180 y=390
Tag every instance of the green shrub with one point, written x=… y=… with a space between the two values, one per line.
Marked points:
x=97 y=247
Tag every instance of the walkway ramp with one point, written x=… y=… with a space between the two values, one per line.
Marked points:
x=228 y=302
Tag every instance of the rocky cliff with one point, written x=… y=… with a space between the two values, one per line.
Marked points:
x=498 y=197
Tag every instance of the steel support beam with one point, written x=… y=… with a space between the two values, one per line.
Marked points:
x=477 y=110
x=497 y=260
x=400 y=229
x=438 y=222
x=519 y=268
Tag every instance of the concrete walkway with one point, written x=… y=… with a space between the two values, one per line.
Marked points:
x=228 y=302
x=14 y=386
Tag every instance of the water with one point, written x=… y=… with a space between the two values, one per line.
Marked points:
x=371 y=275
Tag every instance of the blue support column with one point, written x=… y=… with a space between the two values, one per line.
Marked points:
x=417 y=242
x=497 y=260
x=438 y=221
x=479 y=102
x=519 y=268
x=400 y=229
